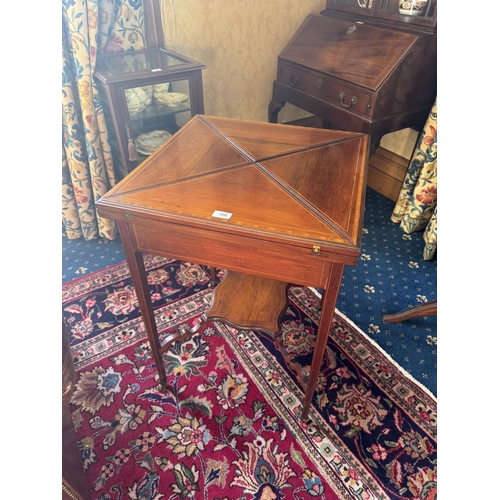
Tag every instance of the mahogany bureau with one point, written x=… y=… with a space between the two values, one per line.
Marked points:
x=270 y=204
x=358 y=74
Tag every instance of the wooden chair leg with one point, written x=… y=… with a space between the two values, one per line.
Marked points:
x=426 y=309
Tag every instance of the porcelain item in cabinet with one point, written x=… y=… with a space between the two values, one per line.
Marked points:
x=412 y=7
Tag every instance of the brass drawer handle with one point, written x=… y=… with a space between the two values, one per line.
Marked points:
x=354 y=100
x=293 y=81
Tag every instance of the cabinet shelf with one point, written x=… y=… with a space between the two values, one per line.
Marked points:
x=158 y=110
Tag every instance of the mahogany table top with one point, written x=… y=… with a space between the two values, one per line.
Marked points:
x=297 y=186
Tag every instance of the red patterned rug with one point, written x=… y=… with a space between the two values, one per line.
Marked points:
x=229 y=429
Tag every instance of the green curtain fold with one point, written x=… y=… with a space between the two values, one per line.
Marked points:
x=416 y=206
x=90 y=27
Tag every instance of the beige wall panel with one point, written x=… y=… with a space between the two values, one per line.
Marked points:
x=239 y=42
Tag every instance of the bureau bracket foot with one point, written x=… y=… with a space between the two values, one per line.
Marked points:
x=273 y=110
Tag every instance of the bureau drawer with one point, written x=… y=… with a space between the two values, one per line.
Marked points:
x=327 y=89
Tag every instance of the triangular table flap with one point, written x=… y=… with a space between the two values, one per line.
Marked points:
x=262 y=140
x=266 y=206
x=194 y=150
x=326 y=163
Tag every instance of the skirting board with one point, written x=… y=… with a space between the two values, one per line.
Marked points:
x=386 y=172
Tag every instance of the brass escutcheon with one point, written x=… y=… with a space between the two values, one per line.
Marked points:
x=316 y=249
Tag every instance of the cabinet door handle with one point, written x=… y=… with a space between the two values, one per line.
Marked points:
x=354 y=100
x=293 y=81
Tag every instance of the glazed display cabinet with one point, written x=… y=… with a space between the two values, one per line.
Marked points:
x=418 y=13
x=147 y=96
x=363 y=66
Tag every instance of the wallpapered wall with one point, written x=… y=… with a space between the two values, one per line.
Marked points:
x=239 y=42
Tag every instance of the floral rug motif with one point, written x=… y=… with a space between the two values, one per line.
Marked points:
x=229 y=426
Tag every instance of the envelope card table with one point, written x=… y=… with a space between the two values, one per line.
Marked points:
x=270 y=204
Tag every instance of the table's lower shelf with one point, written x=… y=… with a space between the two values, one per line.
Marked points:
x=249 y=303
x=245 y=302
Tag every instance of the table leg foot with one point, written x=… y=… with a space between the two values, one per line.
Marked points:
x=166 y=388
x=213 y=277
x=304 y=416
x=161 y=377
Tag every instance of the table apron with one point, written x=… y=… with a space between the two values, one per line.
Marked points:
x=233 y=252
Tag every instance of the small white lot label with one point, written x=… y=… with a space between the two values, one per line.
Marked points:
x=221 y=215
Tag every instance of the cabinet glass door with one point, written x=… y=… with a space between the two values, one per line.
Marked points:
x=156 y=112
x=419 y=12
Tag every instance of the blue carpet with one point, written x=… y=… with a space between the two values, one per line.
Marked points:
x=81 y=257
x=391 y=276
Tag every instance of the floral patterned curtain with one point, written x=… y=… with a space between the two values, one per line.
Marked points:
x=90 y=27
x=416 y=206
